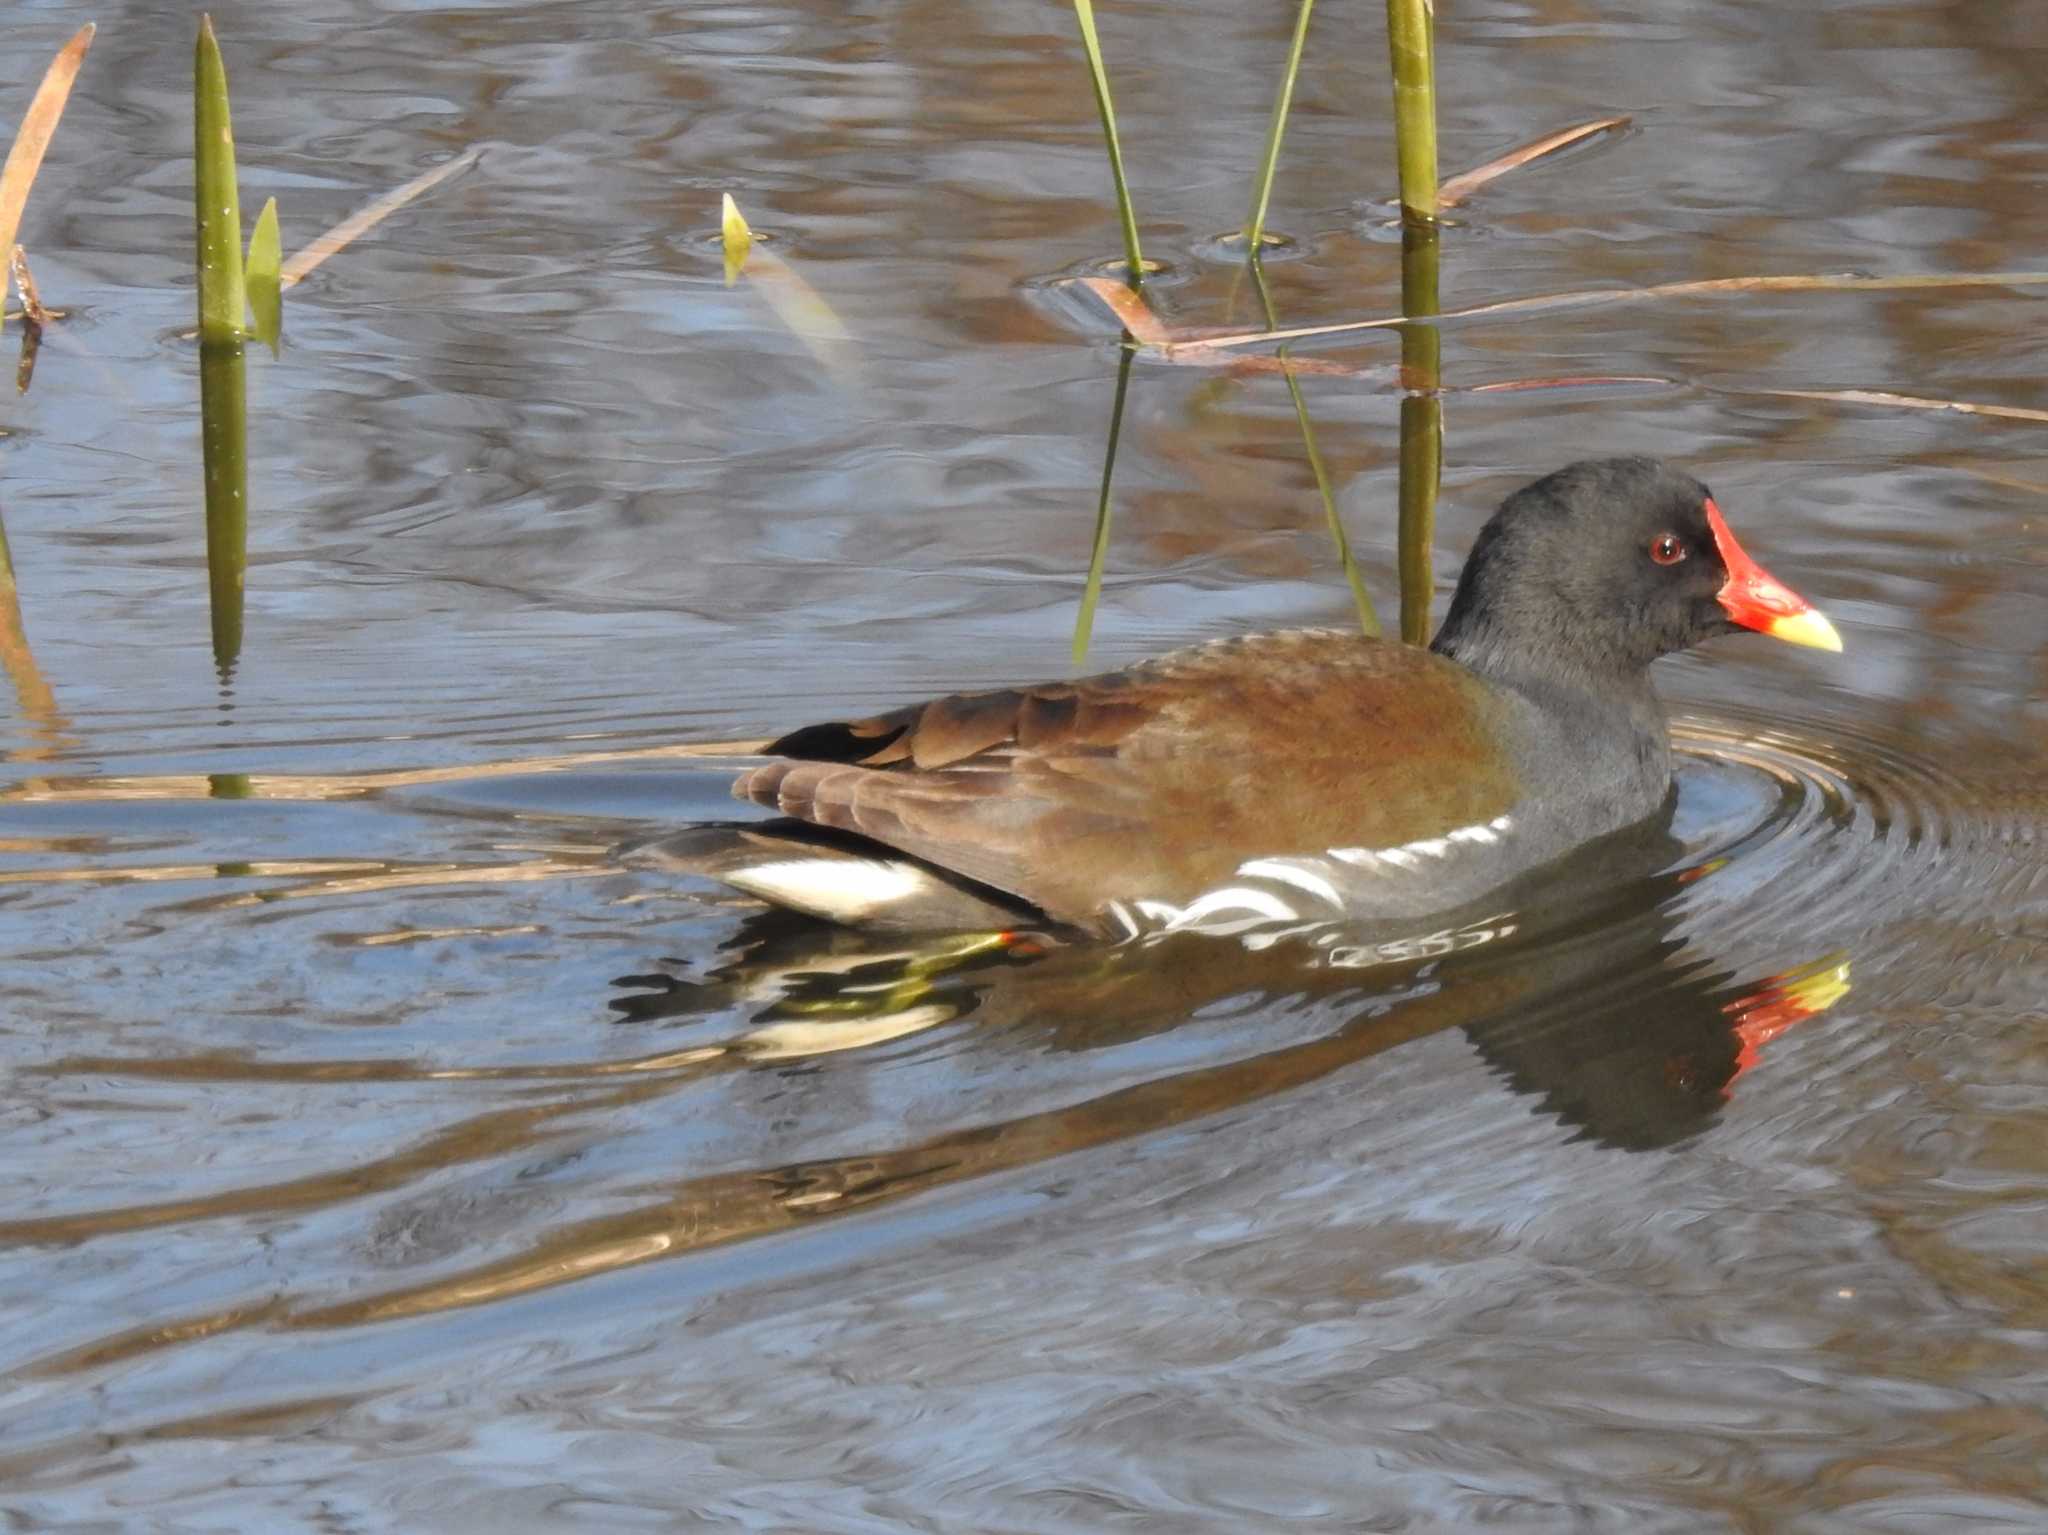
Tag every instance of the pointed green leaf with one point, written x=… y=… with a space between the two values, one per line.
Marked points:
x=266 y=260
x=739 y=239
x=222 y=297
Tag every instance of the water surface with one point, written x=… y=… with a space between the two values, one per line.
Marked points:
x=384 y=1156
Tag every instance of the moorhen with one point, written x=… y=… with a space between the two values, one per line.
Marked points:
x=1287 y=777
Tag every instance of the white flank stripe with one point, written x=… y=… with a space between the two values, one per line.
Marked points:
x=1258 y=903
x=1297 y=875
x=1122 y=913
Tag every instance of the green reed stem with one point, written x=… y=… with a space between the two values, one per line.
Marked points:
x=1276 y=130
x=1368 y=619
x=1422 y=427
x=223 y=300
x=1411 y=41
x=224 y=443
x=1084 y=13
x=1412 y=48
x=1091 y=590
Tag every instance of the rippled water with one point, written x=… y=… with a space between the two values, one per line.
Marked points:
x=385 y=1156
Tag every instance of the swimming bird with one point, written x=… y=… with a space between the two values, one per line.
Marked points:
x=1283 y=777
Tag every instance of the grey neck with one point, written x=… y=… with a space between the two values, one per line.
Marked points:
x=1600 y=728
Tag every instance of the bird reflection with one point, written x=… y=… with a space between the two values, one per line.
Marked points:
x=1588 y=990
x=1579 y=988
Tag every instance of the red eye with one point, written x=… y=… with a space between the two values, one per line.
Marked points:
x=1666 y=549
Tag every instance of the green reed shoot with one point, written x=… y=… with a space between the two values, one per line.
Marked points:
x=223 y=300
x=263 y=276
x=1368 y=620
x=1269 y=162
x=1411 y=42
x=1412 y=48
x=735 y=235
x=223 y=296
x=226 y=287
x=1254 y=236
x=1134 y=274
x=1422 y=429
x=1091 y=589
x=1134 y=260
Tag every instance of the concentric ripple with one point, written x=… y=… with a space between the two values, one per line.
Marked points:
x=1859 y=831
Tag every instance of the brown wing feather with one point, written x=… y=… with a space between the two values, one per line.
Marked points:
x=939 y=817
x=1161 y=779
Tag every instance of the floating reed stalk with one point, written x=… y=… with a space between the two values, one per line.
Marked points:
x=223 y=300
x=1189 y=347
x=1134 y=260
x=363 y=220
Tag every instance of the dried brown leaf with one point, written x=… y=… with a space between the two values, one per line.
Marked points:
x=1130 y=309
x=1460 y=187
x=1257 y=363
x=1791 y=283
x=1570 y=381
x=25 y=157
x=32 y=311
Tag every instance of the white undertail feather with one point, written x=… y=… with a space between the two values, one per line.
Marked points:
x=833 y=887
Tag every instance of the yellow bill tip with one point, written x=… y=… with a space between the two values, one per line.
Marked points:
x=1805 y=628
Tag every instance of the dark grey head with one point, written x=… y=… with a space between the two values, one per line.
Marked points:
x=1595 y=571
